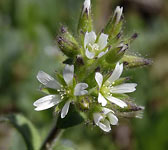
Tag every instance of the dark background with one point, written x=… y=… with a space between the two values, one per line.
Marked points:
x=28 y=29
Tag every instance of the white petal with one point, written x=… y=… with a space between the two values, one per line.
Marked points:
x=65 y=109
x=89 y=38
x=47 y=80
x=102 y=42
x=102 y=100
x=99 y=79
x=112 y=118
x=80 y=89
x=86 y=5
x=116 y=101
x=105 y=126
x=106 y=110
x=102 y=53
x=89 y=54
x=124 y=88
x=116 y=73
x=118 y=12
x=97 y=117
x=68 y=74
x=46 y=102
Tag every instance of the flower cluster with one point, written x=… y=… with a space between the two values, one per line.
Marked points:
x=91 y=79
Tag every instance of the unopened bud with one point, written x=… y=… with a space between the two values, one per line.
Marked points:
x=85 y=20
x=131 y=61
x=118 y=14
x=114 y=26
x=86 y=6
x=67 y=43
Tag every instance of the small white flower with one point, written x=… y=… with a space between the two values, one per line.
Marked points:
x=118 y=13
x=93 y=47
x=69 y=90
x=86 y=6
x=107 y=88
x=105 y=118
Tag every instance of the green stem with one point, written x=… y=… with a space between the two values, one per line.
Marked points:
x=52 y=137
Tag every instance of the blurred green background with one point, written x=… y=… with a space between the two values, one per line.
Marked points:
x=28 y=29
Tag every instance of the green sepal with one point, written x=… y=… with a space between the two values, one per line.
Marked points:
x=115 y=54
x=67 y=43
x=48 y=90
x=60 y=79
x=25 y=128
x=131 y=61
x=69 y=61
x=121 y=81
x=73 y=118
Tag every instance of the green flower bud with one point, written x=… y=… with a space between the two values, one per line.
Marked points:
x=67 y=43
x=115 y=54
x=85 y=20
x=135 y=61
x=114 y=26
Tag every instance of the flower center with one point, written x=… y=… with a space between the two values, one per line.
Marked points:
x=94 y=47
x=65 y=92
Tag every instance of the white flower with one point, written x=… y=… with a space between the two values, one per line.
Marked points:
x=69 y=91
x=118 y=13
x=86 y=6
x=107 y=89
x=95 y=47
x=105 y=118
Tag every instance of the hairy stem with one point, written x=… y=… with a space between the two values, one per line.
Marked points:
x=52 y=137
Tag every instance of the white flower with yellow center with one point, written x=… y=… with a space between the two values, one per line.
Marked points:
x=104 y=119
x=107 y=88
x=95 y=47
x=66 y=92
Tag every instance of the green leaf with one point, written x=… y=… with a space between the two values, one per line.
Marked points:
x=25 y=128
x=73 y=118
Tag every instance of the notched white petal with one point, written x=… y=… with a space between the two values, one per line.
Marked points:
x=46 y=102
x=65 y=109
x=89 y=38
x=102 y=53
x=102 y=42
x=117 y=101
x=89 y=54
x=80 y=89
x=106 y=111
x=97 y=117
x=124 y=88
x=113 y=119
x=105 y=125
x=102 y=100
x=116 y=73
x=68 y=74
x=47 y=80
x=99 y=79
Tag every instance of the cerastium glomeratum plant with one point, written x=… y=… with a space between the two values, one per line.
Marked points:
x=91 y=84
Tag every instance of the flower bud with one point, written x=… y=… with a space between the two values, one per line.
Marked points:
x=135 y=61
x=67 y=43
x=114 y=26
x=115 y=54
x=85 y=20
